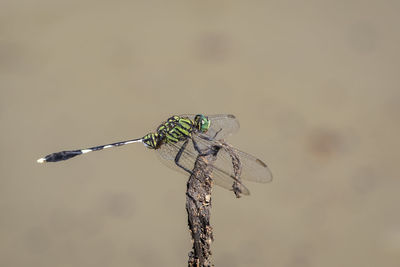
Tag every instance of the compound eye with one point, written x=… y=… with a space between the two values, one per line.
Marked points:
x=202 y=123
x=205 y=124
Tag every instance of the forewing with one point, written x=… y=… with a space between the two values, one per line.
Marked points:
x=222 y=125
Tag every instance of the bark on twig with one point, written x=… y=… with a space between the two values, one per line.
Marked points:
x=198 y=203
x=198 y=206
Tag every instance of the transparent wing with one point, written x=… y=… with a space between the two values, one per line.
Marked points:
x=253 y=169
x=222 y=125
x=221 y=177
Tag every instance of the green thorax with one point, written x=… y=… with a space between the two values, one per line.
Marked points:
x=175 y=129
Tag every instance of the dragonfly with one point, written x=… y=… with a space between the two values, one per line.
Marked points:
x=182 y=138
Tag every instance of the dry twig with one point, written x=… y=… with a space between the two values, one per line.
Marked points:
x=198 y=203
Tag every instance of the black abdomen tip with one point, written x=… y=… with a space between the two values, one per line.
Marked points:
x=63 y=155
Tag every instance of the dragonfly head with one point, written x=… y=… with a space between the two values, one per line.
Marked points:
x=202 y=123
x=152 y=140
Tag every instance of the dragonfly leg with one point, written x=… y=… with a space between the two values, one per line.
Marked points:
x=210 y=150
x=205 y=137
x=215 y=135
x=178 y=156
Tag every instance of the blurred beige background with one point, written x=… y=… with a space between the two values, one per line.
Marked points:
x=315 y=87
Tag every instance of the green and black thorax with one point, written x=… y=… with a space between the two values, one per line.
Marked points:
x=175 y=129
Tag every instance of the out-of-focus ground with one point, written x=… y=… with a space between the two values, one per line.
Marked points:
x=315 y=87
